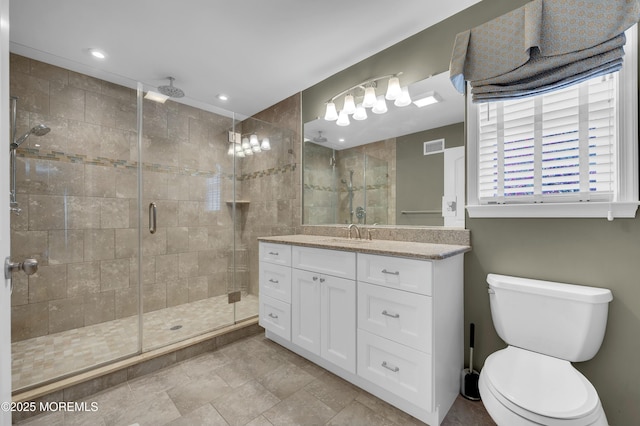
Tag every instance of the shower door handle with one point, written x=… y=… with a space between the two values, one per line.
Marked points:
x=29 y=266
x=152 y=218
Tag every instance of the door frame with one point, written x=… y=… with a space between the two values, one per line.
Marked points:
x=5 y=234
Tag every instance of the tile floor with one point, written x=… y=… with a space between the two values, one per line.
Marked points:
x=44 y=358
x=250 y=382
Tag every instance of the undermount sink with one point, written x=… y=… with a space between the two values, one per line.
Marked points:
x=346 y=240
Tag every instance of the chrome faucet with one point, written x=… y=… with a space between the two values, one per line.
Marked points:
x=350 y=227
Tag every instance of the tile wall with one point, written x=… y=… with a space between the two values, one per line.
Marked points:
x=77 y=188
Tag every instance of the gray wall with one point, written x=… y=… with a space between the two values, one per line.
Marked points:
x=581 y=251
x=420 y=179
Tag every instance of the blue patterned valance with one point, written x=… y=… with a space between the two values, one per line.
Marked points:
x=542 y=46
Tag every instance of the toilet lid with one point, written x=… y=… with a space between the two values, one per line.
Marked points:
x=541 y=384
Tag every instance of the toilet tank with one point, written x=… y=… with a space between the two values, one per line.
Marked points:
x=561 y=320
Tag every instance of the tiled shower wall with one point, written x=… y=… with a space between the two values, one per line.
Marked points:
x=78 y=195
x=271 y=181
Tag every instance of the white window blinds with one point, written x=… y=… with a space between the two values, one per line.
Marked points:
x=557 y=147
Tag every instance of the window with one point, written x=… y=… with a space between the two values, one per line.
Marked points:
x=567 y=153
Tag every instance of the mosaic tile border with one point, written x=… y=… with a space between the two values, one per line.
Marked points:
x=37 y=154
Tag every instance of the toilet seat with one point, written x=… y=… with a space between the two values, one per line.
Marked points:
x=540 y=388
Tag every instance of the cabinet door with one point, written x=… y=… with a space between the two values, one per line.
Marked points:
x=338 y=321
x=305 y=310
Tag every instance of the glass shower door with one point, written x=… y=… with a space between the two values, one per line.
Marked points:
x=75 y=213
x=188 y=222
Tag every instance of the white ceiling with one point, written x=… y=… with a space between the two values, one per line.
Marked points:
x=258 y=52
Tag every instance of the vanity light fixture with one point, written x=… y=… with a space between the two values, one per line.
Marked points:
x=356 y=105
x=428 y=98
x=243 y=146
x=343 y=119
x=361 y=113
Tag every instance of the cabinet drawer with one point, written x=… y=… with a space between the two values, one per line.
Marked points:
x=275 y=281
x=396 y=272
x=331 y=262
x=280 y=254
x=397 y=315
x=397 y=368
x=275 y=316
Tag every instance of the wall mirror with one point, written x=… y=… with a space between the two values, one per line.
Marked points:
x=403 y=167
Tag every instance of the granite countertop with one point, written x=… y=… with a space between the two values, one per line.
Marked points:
x=383 y=247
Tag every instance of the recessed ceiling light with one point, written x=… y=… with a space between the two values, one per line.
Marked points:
x=223 y=97
x=341 y=140
x=156 y=97
x=428 y=98
x=97 y=53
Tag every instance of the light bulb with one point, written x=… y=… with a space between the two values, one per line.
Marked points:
x=404 y=99
x=248 y=151
x=380 y=106
x=245 y=144
x=331 y=114
x=265 y=145
x=393 y=89
x=361 y=113
x=369 y=97
x=349 y=104
x=256 y=148
x=232 y=149
x=343 y=119
x=253 y=140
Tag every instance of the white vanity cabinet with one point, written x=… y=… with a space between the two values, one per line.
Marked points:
x=323 y=316
x=391 y=325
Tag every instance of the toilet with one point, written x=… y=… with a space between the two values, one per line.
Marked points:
x=547 y=326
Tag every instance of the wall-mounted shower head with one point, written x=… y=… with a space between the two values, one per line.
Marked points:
x=170 y=90
x=38 y=130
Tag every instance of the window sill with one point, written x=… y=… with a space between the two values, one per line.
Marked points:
x=559 y=210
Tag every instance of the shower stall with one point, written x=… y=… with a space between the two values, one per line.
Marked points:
x=138 y=214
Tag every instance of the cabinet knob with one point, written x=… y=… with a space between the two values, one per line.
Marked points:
x=322 y=280
x=315 y=278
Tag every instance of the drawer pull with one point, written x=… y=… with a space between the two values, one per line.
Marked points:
x=384 y=271
x=273 y=316
x=273 y=253
x=271 y=280
x=390 y=367
x=390 y=315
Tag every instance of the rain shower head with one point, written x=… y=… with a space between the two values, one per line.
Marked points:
x=319 y=138
x=38 y=130
x=170 y=90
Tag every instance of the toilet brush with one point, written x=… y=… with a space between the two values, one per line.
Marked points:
x=469 y=378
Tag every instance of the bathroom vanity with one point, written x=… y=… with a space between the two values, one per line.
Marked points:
x=385 y=315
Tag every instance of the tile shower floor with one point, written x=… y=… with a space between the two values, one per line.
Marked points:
x=250 y=382
x=44 y=358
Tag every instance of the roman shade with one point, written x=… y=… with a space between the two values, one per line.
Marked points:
x=543 y=46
